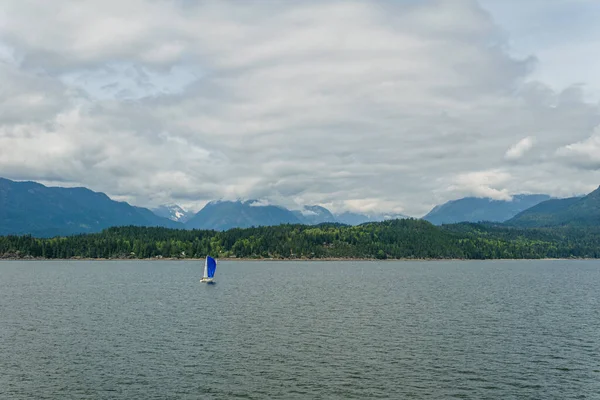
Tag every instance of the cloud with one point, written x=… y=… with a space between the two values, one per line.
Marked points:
x=519 y=149
x=306 y=212
x=259 y=203
x=584 y=154
x=390 y=106
x=482 y=184
x=562 y=34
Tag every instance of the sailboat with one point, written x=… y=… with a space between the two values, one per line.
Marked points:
x=210 y=266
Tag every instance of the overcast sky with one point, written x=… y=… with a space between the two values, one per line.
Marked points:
x=354 y=105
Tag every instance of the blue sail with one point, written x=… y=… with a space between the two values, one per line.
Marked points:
x=211 y=266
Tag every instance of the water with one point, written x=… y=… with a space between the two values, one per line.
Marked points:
x=149 y=330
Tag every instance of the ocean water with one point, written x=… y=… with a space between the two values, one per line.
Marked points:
x=310 y=330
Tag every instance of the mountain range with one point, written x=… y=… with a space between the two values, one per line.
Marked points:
x=32 y=208
x=573 y=211
x=473 y=209
x=224 y=215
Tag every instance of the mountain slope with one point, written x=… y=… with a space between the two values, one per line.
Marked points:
x=32 y=208
x=172 y=212
x=224 y=215
x=314 y=215
x=573 y=211
x=472 y=209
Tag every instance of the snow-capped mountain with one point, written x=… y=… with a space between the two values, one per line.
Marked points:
x=173 y=212
x=224 y=215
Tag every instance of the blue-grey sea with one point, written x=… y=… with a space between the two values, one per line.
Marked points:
x=307 y=330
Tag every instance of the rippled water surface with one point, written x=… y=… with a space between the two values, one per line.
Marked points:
x=150 y=330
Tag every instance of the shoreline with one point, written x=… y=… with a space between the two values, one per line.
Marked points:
x=325 y=259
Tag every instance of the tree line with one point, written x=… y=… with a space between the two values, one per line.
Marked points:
x=396 y=239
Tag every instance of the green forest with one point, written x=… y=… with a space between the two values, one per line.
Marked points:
x=396 y=239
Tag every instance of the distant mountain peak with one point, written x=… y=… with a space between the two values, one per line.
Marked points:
x=582 y=211
x=173 y=212
x=595 y=193
x=477 y=209
x=32 y=208
x=224 y=215
x=314 y=215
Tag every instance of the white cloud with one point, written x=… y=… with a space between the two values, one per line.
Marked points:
x=382 y=108
x=482 y=184
x=519 y=149
x=584 y=154
x=306 y=212
x=259 y=203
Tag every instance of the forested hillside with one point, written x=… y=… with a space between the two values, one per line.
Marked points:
x=575 y=211
x=391 y=239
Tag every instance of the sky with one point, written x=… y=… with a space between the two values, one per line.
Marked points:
x=370 y=106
